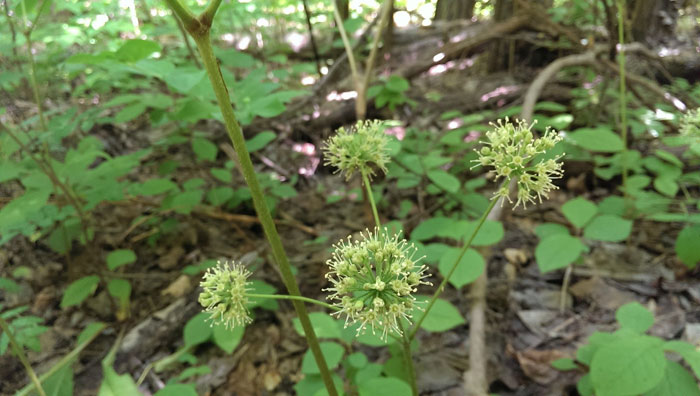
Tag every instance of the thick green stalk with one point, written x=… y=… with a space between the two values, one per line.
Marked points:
x=293 y=298
x=22 y=357
x=623 y=95
x=441 y=288
x=368 y=187
x=199 y=29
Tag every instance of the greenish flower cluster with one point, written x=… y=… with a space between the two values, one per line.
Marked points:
x=357 y=148
x=225 y=294
x=373 y=281
x=690 y=125
x=510 y=150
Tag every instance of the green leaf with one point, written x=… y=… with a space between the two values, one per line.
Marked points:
x=431 y=228
x=183 y=79
x=585 y=386
x=688 y=352
x=613 y=205
x=134 y=50
x=156 y=186
x=601 y=139
x=79 y=290
x=666 y=185
x=677 y=381
x=184 y=203
x=388 y=386
x=546 y=229
x=470 y=267
x=129 y=113
x=323 y=324
x=630 y=366
x=609 y=228
x=260 y=140
x=333 y=352
x=198 y=329
x=564 y=364
x=219 y=195
x=490 y=233
x=688 y=245
x=204 y=149
x=117 y=258
x=635 y=317
x=114 y=384
x=557 y=251
x=59 y=383
x=119 y=289
x=357 y=360
x=227 y=339
x=444 y=180
x=177 y=390
x=442 y=317
x=579 y=211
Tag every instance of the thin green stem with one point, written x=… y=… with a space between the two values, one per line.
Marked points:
x=623 y=95
x=202 y=39
x=207 y=17
x=295 y=298
x=368 y=187
x=32 y=65
x=441 y=288
x=22 y=357
x=346 y=44
x=408 y=360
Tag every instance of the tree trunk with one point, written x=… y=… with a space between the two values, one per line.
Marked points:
x=650 y=19
x=450 y=10
x=498 y=58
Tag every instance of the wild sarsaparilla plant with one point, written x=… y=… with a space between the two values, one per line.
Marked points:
x=373 y=278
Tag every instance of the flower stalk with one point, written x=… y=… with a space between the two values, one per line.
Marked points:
x=199 y=28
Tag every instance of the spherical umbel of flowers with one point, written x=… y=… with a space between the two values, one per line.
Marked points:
x=225 y=294
x=359 y=148
x=510 y=149
x=373 y=280
x=690 y=125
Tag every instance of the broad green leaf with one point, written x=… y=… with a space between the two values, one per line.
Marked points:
x=219 y=195
x=59 y=383
x=546 y=229
x=114 y=384
x=609 y=228
x=222 y=174
x=688 y=352
x=312 y=383
x=156 y=186
x=357 y=360
x=333 y=352
x=134 y=50
x=79 y=290
x=323 y=324
x=635 y=317
x=490 y=233
x=444 y=180
x=666 y=186
x=183 y=203
x=119 y=289
x=585 y=386
x=198 y=329
x=260 y=140
x=612 y=205
x=177 y=390
x=564 y=364
x=204 y=149
x=388 y=386
x=601 y=139
x=442 y=317
x=470 y=267
x=129 y=113
x=677 y=381
x=579 y=211
x=630 y=366
x=117 y=258
x=183 y=79
x=557 y=251
x=688 y=245
x=227 y=339
x=431 y=228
